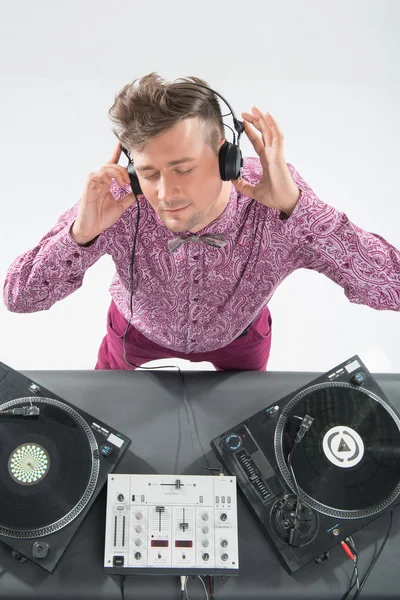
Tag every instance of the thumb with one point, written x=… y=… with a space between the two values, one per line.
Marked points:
x=243 y=187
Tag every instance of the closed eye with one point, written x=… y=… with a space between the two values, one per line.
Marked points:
x=176 y=171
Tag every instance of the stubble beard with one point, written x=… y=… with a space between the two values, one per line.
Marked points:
x=185 y=226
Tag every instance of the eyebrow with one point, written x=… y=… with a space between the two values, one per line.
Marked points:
x=172 y=163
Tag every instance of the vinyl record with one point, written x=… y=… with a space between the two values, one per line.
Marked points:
x=48 y=468
x=348 y=463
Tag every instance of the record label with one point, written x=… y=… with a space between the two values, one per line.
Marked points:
x=343 y=446
x=28 y=464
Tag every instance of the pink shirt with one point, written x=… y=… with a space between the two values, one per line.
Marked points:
x=200 y=298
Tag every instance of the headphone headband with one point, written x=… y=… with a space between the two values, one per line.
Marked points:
x=239 y=126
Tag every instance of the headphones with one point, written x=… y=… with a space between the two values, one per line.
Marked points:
x=230 y=156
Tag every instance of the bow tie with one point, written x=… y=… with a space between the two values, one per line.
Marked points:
x=212 y=239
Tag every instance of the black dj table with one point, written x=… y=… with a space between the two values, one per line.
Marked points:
x=149 y=408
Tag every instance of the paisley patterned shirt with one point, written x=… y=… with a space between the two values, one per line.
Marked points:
x=200 y=298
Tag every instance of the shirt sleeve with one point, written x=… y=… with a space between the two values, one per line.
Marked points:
x=52 y=270
x=323 y=239
x=56 y=266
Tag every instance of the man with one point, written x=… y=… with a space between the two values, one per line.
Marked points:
x=194 y=298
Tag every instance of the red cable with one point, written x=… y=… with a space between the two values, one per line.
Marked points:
x=347 y=550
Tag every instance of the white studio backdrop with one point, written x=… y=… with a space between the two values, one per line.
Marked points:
x=327 y=71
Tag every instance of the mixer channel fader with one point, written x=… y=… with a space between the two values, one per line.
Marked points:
x=171 y=524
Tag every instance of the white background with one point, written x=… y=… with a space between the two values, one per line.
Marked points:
x=327 y=71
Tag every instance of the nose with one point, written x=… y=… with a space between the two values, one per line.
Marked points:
x=166 y=190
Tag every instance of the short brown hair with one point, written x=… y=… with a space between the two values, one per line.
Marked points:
x=149 y=106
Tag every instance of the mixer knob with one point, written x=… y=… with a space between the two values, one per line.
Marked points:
x=139 y=516
x=223 y=517
x=224 y=556
x=204 y=516
x=224 y=543
x=138 y=528
x=205 y=543
x=205 y=556
x=205 y=529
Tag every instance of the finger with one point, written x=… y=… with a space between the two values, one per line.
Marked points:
x=264 y=126
x=254 y=118
x=254 y=138
x=251 y=119
x=118 y=172
x=255 y=121
x=115 y=156
x=244 y=187
x=99 y=178
x=106 y=177
x=276 y=130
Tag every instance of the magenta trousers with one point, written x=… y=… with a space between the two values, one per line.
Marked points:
x=248 y=352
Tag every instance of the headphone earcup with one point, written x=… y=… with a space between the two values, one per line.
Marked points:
x=135 y=185
x=230 y=161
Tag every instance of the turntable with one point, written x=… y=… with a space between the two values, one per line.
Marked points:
x=54 y=460
x=319 y=464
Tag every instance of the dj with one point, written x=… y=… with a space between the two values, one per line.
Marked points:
x=195 y=273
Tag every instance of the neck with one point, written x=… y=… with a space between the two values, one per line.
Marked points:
x=218 y=207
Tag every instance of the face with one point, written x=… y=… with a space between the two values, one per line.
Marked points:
x=179 y=175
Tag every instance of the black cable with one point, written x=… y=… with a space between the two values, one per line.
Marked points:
x=351 y=584
x=234 y=136
x=364 y=579
x=355 y=552
x=190 y=429
x=123 y=587
x=181 y=595
x=211 y=587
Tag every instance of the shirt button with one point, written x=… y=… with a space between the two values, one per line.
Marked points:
x=195 y=321
x=76 y=254
x=196 y=257
x=68 y=263
x=195 y=299
x=196 y=281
